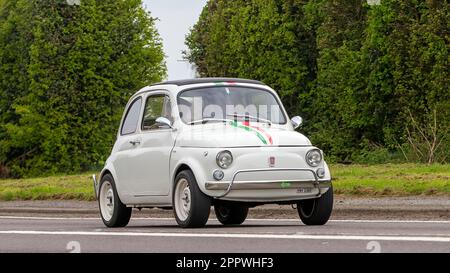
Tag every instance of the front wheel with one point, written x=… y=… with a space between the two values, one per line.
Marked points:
x=113 y=212
x=191 y=205
x=231 y=214
x=316 y=212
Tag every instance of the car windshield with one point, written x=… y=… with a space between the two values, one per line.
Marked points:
x=221 y=103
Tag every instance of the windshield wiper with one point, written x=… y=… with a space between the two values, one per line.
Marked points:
x=251 y=117
x=206 y=120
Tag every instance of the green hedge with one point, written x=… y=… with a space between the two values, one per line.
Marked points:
x=66 y=72
x=369 y=81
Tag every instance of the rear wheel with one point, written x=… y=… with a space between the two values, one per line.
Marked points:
x=316 y=212
x=113 y=212
x=191 y=206
x=230 y=214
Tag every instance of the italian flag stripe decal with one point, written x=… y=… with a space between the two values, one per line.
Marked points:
x=260 y=133
x=269 y=137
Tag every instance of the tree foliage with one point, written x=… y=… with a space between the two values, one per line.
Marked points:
x=366 y=78
x=66 y=71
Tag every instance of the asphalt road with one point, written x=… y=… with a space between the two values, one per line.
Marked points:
x=60 y=235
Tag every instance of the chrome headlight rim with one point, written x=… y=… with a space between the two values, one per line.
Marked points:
x=220 y=156
x=315 y=163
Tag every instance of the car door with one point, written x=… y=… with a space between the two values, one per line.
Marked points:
x=151 y=158
x=126 y=147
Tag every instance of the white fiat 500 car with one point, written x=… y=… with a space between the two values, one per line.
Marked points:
x=227 y=143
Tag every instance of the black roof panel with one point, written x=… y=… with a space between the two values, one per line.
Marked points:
x=206 y=80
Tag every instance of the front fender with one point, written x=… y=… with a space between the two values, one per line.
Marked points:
x=191 y=160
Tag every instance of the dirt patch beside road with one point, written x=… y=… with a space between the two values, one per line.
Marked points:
x=399 y=208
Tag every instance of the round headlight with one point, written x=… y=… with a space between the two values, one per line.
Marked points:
x=224 y=159
x=314 y=158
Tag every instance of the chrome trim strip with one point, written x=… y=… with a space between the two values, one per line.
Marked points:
x=248 y=147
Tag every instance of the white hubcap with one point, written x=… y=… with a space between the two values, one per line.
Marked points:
x=107 y=201
x=182 y=199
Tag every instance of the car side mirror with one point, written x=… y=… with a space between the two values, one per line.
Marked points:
x=296 y=122
x=164 y=122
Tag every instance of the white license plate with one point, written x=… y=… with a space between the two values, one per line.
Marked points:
x=304 y=190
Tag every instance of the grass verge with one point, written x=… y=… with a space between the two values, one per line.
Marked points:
x=355 y=180
x=63 y=187
x=391 y=179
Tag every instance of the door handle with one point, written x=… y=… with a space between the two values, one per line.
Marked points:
x=135 y=142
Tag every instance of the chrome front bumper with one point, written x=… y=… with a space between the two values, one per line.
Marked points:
x=267 y=185
x=260 y=185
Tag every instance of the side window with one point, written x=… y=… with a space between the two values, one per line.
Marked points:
x=132 y=118
x=155 y=107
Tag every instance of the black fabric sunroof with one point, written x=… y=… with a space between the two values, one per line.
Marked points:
x=207 y=80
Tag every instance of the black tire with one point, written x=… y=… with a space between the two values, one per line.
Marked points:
x=230 y=214
x=200 y=204
x=121 y=214
x=316 y=212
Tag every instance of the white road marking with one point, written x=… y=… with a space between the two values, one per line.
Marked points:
x=258 y=220
x=360 y=221
x=48 y=218
x=392 y=221
x=235 y=236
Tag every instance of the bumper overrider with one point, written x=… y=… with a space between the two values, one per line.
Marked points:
x=96 y=185
x=302 y=185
